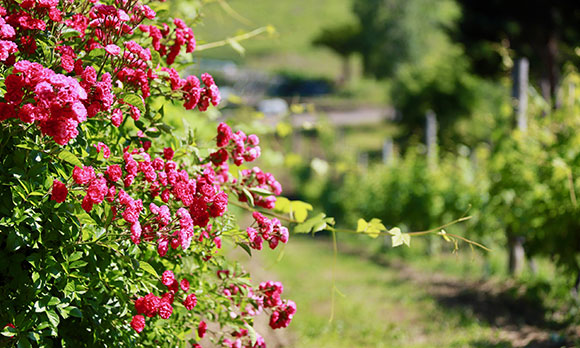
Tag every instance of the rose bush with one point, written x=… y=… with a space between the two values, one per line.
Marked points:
x=109 y=236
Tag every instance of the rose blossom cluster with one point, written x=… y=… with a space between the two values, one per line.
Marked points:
x=54 y=102
x=198 y=198
x=7 y=35
x=251 y=302
x=238 y=340
x=192 y=92
x=282 y=310
x=107 y=22
x=161 y=39
x=151 y=305
x=256 y=178
x=100 y=95
x=96 y=186
x=240 y=147
x=18 y=26
x=271 y=231
x=190 y=202
x=134 y=71
x=268 y=297
x=59 y=191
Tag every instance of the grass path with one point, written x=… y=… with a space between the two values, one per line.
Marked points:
x=393 y=304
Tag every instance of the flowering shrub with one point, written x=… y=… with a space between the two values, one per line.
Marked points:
x=94 y=209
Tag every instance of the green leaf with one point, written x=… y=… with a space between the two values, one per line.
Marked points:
x=315 y=224
x=155 y=58
x=148 y=268
x=86 y=234
x=399 y=238
x=75 y=256
x=23 y=342
x=373 y=228
x=69 y=32
x=248 y=196
x=261 y=191
x=74 y=312
x=69 y=157
x=165 y=128
x=97 y=52
x=246 y=248
x=26 y=146
x=69 y=311
x=78 y=264
x=361 y=225
x=8 y=331
x=300 y=210
x=252 y=334
x=85 y=219
x=282 y=205
x=140 y=125
x=135 y=100
x=53 y=318
x=99 y=233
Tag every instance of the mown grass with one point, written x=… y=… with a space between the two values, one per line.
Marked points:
x=380 y=306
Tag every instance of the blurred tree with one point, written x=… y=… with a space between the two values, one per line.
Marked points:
x=408 y=42
x=344 y=41
x=544 y=31
x=394 y=32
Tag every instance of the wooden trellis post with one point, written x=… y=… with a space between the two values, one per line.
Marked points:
x=520 y=92
x=431 y=137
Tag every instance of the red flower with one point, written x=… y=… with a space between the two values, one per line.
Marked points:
x=224 y=135
x=84 y=175
x=165 y=310
x=148 y=305
x=59 y=191
x=168 y=153
x=282 y=316
x=97 y=190
x=201 y=329
x=87 y=204
x=219 y=204
x=106 y=151
x=190 y=301
x=184 y=284
x=114 y=172
x=138 y=323
x=167 y=278
x=219 y=157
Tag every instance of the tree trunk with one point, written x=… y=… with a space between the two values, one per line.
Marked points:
x=517 y=255
x=533 y=265
x=551 y=72
x=346 y=74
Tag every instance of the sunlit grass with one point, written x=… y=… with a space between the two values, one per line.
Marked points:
x=296 y=23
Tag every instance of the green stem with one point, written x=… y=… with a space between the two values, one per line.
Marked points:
x=332 y=294
x=237 y=38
